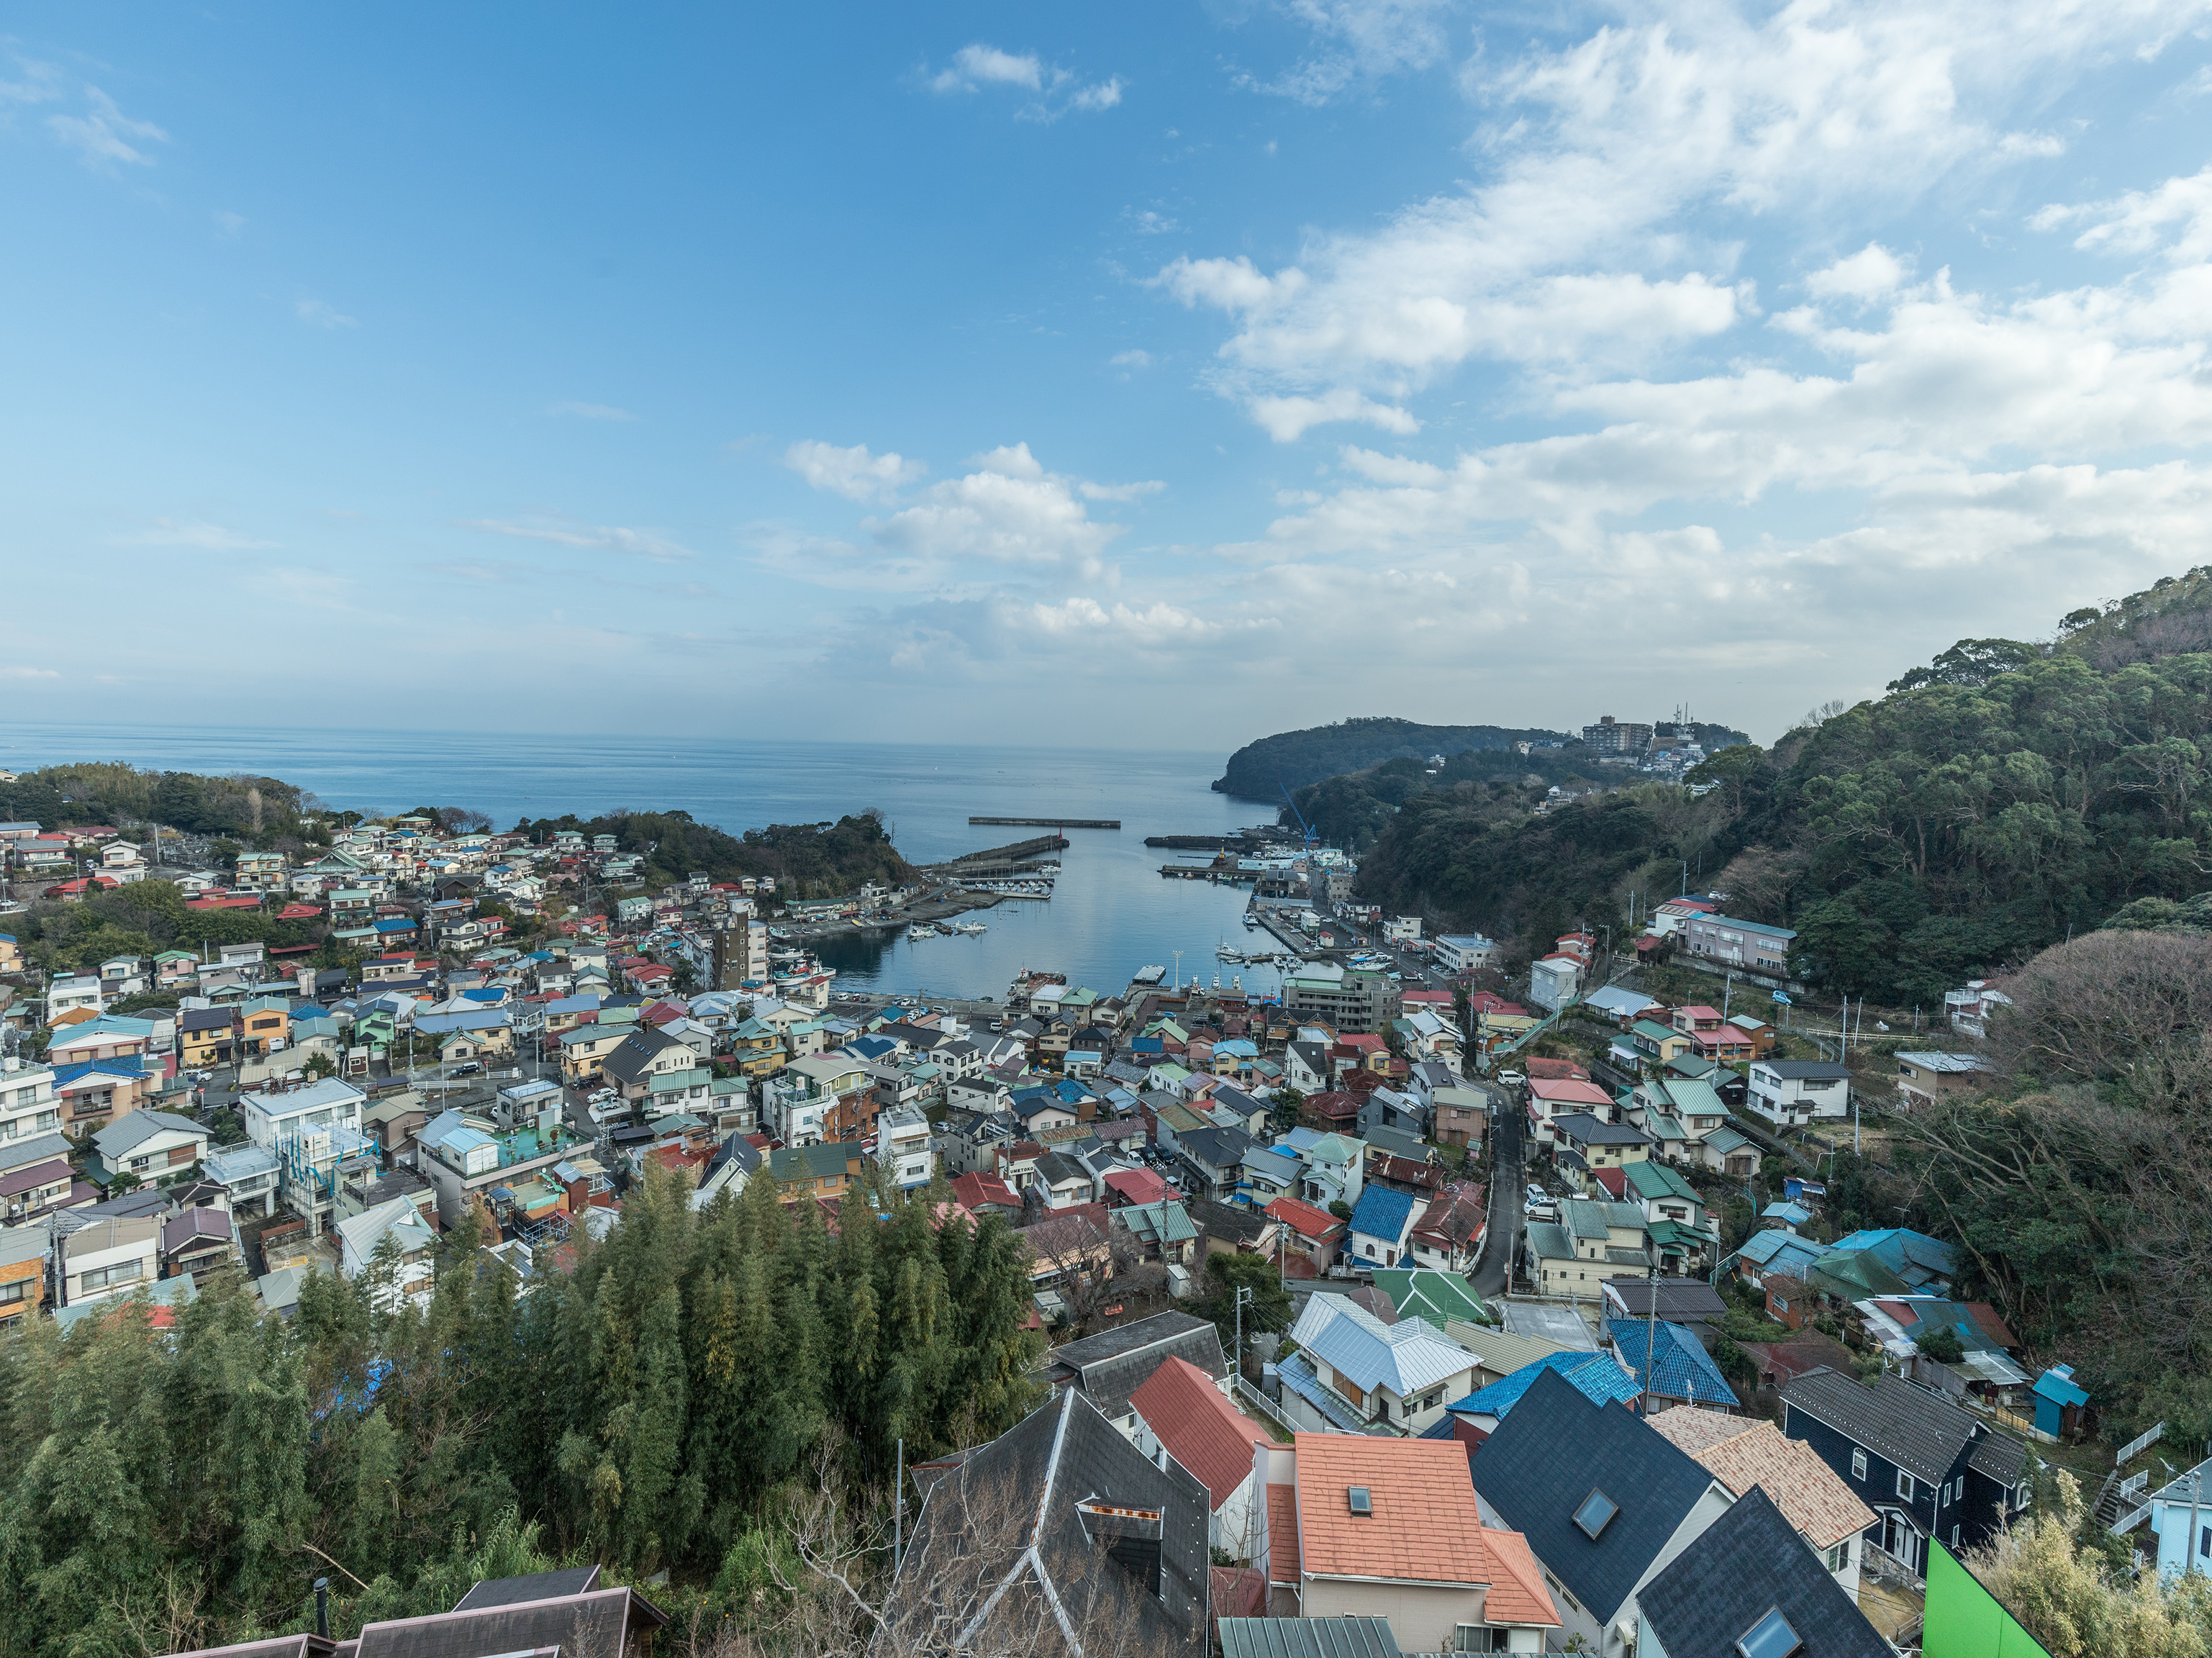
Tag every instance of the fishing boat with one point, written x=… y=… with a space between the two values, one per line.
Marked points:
x=972 y=928
x=921 y=930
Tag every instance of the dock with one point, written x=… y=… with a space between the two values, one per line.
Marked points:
x=1054 y=823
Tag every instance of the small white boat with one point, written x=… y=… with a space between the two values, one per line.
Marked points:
x=921 y=930
x=972 y=928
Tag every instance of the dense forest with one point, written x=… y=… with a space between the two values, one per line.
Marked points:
x=2081 y=1184
x=1997 y=801
x=666 y=1405
x=256 y=810
x=1352 y=811
x=143 y=919
x=807 y=859
x=1261 y=770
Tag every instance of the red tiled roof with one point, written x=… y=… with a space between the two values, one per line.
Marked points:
x=1567 y=1091
x=1553 y=1070
x=978 y=1191
x=1137 y=1185
x=1304 y=1219
x=1614 y=1181
x=1200 y=1428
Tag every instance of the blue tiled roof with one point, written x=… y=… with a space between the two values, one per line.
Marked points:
x=1596 y=1377
x=1382 y=1213
x=1684 y=1370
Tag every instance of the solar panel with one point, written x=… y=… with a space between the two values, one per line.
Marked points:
x=1596 y=1511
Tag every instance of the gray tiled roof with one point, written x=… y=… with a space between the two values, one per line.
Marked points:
x=1308 y=1637
x=1113 y=1364
x=1748 y=1562
x=1908 y=1426
x=1550 y=1453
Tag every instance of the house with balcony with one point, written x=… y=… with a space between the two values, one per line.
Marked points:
x=1789 y=1093
x=467 y=1158
x=152 y=1146
x=109 y=1256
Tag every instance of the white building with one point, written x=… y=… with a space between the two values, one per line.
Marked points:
x=112 y=1256
x=68 y=995
x=1463 y=952
x=329 y=1103
x=1402 y=930
x=903 y=1148
x=1553 y=980
x=27 y=1105
x=361 y=1235
x=1788 y=1091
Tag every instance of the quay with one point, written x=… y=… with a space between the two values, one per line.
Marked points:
x=1054 y=823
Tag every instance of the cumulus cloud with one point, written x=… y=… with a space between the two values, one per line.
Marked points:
x=590 y=537
x=1585 y=244
x=852 y=473
x=2175 y=218
x=1055 y=91
x=1868 y=273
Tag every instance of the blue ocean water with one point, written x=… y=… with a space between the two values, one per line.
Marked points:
x=1111 y=913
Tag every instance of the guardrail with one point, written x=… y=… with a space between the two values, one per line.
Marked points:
x=2142 y=1441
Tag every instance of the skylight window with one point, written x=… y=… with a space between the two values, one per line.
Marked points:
x=1596 y=1512
x=1360 y=1501
x=1770 y=1638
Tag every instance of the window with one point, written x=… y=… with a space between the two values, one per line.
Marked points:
x=1596 y=1511
x=1835 y=1560
x=1858 y=1464
x=1904 y=1485
x=15 y=1290
x=1770 y=1638
x=1477 y=1637
x=98 y=1277
x=1954 y=1537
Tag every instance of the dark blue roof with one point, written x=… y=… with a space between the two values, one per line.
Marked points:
x=1749 y=1564
x=1382 y=1213
x=1685 y=1370
x=1551 y=1453
x=1598 y=1379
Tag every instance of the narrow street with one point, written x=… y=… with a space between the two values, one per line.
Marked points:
x=1489 y=1278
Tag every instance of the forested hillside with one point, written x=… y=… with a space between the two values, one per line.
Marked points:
x=259 y=811
x=1261 y=770
x=806 y=859
x=2004 y=797
x=668 y=1405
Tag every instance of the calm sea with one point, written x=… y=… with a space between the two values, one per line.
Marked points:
x=1111 y=913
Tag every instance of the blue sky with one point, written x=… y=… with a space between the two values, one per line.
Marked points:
x=1131 y=375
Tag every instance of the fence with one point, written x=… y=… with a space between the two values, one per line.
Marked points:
x=2142 y=1441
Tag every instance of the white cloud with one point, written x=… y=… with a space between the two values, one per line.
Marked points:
x=2175 y=218
x=979 y=65
x=1136 y=357
x=1010 y=511
x=1149 y=223
x=1589 y=242
x=1287 y=419
x=592 y=538
x=20 y=672
x=591 y=412
x=1359 y=42
x=103 y=135
x=321 y=313
x=1055 y=91
x=854 y=473
x=1868 y=273
x=191 y=532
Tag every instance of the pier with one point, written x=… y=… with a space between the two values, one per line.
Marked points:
x=1054 y=823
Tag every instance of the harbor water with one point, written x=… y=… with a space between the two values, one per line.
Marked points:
x=1111 y=912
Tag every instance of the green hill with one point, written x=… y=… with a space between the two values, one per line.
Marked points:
x=1994 y=802
x=1261 y=770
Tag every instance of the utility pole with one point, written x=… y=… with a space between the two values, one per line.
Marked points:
x=1244 y=1296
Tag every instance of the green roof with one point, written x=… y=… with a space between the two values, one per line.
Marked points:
x=1656 y=1180
x=1655 y=1033
x=1424 y=1293
x=1167 y=1221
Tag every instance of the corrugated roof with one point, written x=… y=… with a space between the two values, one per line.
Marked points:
x=1598 y=1376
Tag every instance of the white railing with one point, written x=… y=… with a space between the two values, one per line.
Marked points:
x=2132 y=1486
x=2142 y=1441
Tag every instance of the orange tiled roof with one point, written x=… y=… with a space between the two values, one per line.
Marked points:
x=1517 y=1595
x=1200 y=1428
x=1811 y=1495
x=1425 y=1525
x=1283 y=1561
